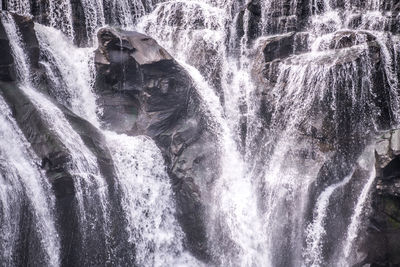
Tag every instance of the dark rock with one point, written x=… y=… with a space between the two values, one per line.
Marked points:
x=159 y=100
x=40 y=11
x=7 y=67
x=254 y=27
x=79 y=23
x=26 y=28
x=280 y=46
x=381 y=241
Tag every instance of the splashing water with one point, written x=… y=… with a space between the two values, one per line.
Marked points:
x=147 y=202
x=71 y=70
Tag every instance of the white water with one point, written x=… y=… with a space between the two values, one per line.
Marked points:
x=145 y=189
x=299 y=86
x=90 y=187
x=22 y=63
x=356 y=219
x=94 y=15
x=233 y=193
x=316 y=230
x=148 y=202
x=60 y=16
x=19 y=6
x=20 y=177
x=234 y=203
x=71 y=70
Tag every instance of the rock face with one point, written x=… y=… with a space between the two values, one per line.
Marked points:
x=284 y=66
x=383 y=233
x=143 y=90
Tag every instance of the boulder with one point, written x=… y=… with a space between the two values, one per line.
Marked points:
x=144 y=91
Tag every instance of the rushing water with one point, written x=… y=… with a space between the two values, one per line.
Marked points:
x=279 y=133
x=22 y=180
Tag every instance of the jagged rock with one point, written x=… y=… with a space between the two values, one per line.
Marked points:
x=139 y=83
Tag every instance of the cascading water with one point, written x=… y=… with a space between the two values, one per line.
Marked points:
x=294 y=124
x=147 y=202
x=70 y=70
x=21 y=181
x=21 y=7
x=145 y=192
x=61 y=17
x=301 y=83
x=89 y=184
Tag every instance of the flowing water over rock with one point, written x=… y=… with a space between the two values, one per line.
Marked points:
x=234 y=133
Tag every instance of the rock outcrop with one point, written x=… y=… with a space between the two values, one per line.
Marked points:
x=143 y=90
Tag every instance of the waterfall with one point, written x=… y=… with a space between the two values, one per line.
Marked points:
x=354 y=226
x=317 y=229
x=94 y=16
x=19 y=6
x=20 y=179
x=61 y=17
x=23 y=68
x=296 y=93
x=89 y=184
x=70 y=70
x=302 y=82
x=146 y=194
x=147 y=202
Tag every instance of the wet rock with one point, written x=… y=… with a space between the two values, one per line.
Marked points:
x=26 y=27
x=160 y=101
x=7 y=67
x=79 y=23
x=280 y=46
x=381 y=243
x=254 y=21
